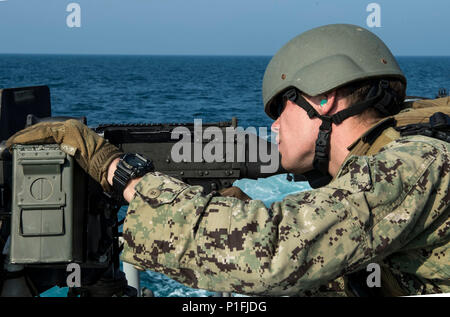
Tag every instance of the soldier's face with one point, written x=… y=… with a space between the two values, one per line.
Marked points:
x=296 y=138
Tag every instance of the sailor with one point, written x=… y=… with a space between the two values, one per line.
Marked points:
x=336 y=94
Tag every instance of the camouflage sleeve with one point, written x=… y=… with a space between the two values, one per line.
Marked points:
x=373 y=208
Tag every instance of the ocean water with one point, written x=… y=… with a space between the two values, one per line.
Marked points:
x=152 y=89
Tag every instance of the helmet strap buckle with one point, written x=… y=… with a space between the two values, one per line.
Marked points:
x=321 y=156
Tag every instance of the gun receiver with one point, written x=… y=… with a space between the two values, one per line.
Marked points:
x=242 y=153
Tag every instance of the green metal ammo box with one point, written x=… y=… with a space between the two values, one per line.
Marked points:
x=48 y=206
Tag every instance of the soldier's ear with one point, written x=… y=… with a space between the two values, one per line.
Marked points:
x=326 y=103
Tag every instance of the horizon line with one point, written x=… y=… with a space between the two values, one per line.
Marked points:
x=178 y=55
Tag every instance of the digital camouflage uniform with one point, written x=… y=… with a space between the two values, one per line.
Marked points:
x=390 y=208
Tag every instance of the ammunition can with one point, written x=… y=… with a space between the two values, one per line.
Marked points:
x=48 y=206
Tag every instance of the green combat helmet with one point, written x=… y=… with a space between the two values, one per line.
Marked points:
x=323 y=59
x=326 y=58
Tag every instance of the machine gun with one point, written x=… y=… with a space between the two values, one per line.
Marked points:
x=53 y=214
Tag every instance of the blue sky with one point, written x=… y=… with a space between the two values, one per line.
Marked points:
x=211 y=27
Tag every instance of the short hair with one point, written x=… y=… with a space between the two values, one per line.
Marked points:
x=357 y=91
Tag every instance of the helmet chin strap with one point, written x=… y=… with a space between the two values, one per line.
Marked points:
x=380 y=97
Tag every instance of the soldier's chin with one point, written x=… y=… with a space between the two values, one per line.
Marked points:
x=291 y=167
x=294 y=167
